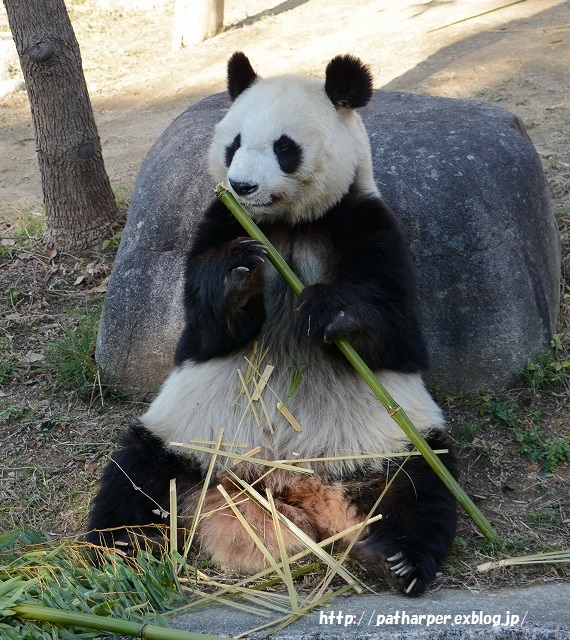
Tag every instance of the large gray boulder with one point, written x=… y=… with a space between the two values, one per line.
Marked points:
x=467 y=183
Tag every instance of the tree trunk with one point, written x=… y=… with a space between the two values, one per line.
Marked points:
x=195 y=21
x=79 y=203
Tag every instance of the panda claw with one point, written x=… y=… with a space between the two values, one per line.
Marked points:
x=254 y=243
x=403 y=567
x=121 y=543
x=402 y=572
x=397 y=569
x=411 y=585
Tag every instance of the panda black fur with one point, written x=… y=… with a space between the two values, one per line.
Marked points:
x=296 y=155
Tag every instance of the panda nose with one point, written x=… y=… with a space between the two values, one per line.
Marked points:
x=244 y=188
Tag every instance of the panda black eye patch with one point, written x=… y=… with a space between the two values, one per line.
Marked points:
x=232 y=148
x=289 y=154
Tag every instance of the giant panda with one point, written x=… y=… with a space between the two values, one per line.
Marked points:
x=295 y=153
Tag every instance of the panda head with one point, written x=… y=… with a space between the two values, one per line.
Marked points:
x=290 y=147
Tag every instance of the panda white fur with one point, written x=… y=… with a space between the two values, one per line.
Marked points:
x=296 y=155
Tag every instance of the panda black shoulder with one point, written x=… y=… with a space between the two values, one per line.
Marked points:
x=358 y=215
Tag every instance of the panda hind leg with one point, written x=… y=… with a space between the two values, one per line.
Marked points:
x=130 y=510
x=407 y=546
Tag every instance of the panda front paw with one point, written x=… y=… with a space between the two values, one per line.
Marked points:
x=245 y=252
x=342 y=324
x=243 y=276
x=323 y=317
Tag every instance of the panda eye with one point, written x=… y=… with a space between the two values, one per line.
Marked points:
x=232 y=148
x=283 y=145
x=288 y=153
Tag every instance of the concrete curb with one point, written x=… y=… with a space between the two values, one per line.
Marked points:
x=535 y=613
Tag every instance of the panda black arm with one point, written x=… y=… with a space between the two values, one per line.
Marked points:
x=370 y=290
x=223 y=289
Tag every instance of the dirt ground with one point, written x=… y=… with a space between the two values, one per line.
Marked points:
x=517 y=56
x=514 y=54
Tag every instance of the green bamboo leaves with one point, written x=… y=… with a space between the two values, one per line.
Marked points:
x=43 y=585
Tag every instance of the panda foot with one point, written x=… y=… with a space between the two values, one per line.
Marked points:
x=129 y=543
x=396 y=568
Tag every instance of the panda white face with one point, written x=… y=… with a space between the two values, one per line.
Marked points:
x=287 y=151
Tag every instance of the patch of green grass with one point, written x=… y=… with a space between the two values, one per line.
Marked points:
x=13 y=295
x=487 y=410
x=11 y=411
x=8 y=366
x=23 y=235
x=29 y=225
x=548 y=517
x=71 y=359
x=523 y=421
x=548 y=452
x=510 y=546
x=113 y=241
x=502 y=411
x=489 y=95
x=466 y=431
x=466 y=554
x=551 y=371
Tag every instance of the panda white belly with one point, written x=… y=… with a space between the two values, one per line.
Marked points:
x=338 y=413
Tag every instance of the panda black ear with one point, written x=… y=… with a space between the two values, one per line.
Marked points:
x=240 y=74
x=348 y=82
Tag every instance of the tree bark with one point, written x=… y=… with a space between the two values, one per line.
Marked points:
x=79 y=203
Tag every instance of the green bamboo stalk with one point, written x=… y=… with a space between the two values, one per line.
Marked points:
x=395 y=411
x=61 y=617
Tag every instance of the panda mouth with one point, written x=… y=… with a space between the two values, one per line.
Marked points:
x=259 y=205
x=274 y=199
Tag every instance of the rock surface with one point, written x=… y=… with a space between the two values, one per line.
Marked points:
x=469 y=187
